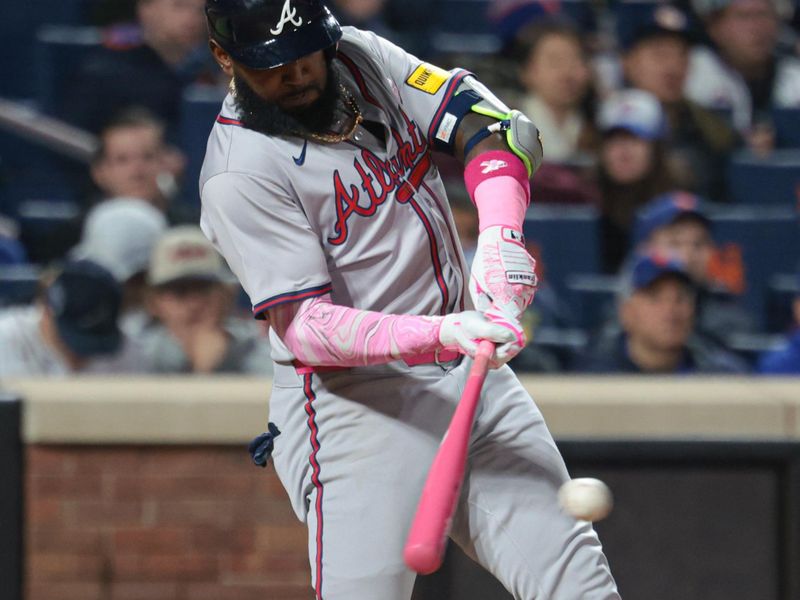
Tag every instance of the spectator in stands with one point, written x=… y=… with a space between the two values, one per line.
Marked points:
x=555 y=76
x=12 y=252
x=133 y=161
x=786 y=359
x=191 y=300
x=407 y=23
x=656 y=59
x=676 y=223
x=656 y=310
x=151 y=72
x=120 y=235
x=632 y=168
x=741 y=71
x=73 y=321
x=364 y=14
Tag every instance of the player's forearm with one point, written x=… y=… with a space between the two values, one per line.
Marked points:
x=320 y=333
x=496 y=179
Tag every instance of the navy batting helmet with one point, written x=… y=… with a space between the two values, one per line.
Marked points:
x=262 y=34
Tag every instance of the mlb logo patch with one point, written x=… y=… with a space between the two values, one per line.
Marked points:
x=511 y=235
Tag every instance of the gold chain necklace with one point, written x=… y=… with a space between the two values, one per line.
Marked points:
x=335 y=138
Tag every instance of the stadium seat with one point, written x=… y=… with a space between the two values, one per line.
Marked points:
x=462 y=26
x=565 y=239
x=593 y=297
x=783 y=289
x=773 y=180
x=17 y=30
x=787 y=127
x=461 y=16
x=60 y=50
x=18 y=284
x=44 y=177
x=199 y=109
x=769 y=240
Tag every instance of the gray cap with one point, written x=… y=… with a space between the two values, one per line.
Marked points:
x=119 y=235
x=183 y=253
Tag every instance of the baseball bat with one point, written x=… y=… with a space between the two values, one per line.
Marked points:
x=424 y=549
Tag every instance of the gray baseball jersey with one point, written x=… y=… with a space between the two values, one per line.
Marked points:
x=369 y=224
x=296 y=219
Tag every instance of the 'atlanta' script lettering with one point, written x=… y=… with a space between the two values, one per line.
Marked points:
x=401 y=173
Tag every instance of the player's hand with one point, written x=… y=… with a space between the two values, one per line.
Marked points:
x=462 y=331
x=508 y=350
x=503 y=273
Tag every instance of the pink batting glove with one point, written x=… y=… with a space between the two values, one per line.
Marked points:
x=503 y=273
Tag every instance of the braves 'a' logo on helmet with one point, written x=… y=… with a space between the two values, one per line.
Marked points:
x=288 y=15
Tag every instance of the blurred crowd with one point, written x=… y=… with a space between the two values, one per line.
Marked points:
x=641 y=107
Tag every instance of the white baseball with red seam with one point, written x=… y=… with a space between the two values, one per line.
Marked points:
x=586 y=498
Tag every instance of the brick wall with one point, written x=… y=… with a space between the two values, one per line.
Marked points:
x=159 y=523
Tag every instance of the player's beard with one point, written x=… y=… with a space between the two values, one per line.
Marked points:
x=267 y=117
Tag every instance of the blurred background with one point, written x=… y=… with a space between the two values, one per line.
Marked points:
x=666 y=226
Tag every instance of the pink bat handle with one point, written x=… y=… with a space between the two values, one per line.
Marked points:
x=424 y=549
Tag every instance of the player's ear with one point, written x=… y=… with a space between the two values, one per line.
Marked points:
x=222 y=58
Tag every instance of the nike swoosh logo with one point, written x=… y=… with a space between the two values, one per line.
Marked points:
x=299 y=160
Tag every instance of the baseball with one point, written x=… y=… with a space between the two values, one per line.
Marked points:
x=586 y=498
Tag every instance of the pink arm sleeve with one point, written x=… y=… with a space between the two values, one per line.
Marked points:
x=320 y=333
x=497 y=182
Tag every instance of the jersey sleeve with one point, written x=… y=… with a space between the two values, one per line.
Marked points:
x=424 y=88
x=264 y=236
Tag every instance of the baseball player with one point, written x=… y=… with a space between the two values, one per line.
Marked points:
x=319 y=189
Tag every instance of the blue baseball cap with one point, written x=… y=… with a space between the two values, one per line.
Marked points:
x=651 y=20
x=646 y=269
x=85 y=300
x=635 y=111
x=664 y=210
x=509 y=17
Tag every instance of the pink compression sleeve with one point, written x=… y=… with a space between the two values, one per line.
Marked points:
x=497 y=182
x=320 y=333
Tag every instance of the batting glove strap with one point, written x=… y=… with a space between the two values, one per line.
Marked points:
x=261 y=447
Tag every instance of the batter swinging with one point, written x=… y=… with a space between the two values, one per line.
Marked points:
x=319 y=189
